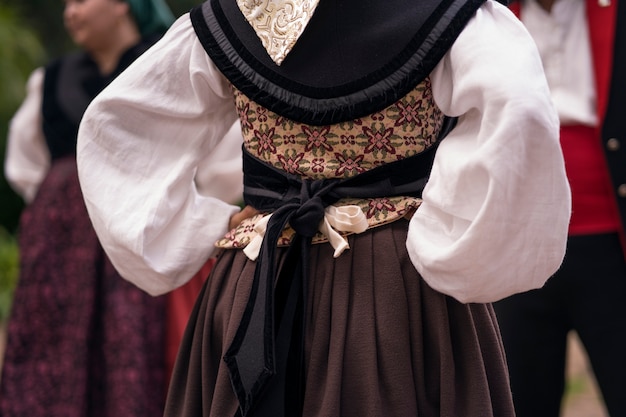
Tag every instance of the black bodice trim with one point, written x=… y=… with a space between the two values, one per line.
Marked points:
x=70 y=83
x=294 y=93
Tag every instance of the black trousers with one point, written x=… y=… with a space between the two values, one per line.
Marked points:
x=587 y=295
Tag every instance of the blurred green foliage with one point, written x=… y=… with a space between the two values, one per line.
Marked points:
x=20 y=51
x=9 y=264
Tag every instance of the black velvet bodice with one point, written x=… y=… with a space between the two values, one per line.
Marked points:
x=70 y=84
x=354 y=58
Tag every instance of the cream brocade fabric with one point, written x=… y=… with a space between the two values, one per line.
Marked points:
x=342 y=150
x=278 y=23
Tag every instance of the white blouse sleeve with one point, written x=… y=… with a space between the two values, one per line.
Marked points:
x=140 y=145
x=496 y=209
x=220 y=175
x=27 y=157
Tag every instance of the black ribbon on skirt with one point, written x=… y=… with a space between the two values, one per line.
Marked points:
x=265 y=358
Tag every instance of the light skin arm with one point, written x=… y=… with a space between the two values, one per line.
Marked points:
x=245 y=213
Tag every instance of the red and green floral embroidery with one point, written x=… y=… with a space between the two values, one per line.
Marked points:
x=378 y=212
x=342 y=150
x=345 y=149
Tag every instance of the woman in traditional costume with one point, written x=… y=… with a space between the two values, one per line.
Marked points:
x=401 y=171
x=82 y=342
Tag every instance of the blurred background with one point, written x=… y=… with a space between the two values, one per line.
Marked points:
x=31 y=34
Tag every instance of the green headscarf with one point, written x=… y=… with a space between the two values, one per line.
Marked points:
x=151 y=16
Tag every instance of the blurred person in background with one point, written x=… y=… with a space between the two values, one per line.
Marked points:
x=583 y=49
x=81 y=340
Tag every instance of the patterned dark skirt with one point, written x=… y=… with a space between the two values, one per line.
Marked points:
x=379 y=341
x=82 y=342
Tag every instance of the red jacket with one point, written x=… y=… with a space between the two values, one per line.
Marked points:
x=608 y=49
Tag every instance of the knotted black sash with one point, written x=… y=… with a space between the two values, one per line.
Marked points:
x=265 y=357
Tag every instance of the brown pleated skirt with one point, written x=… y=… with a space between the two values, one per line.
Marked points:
x=379 y=341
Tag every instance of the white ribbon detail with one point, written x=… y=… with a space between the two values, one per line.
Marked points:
x=342 y=219
x=253 y=248
x=278 y=23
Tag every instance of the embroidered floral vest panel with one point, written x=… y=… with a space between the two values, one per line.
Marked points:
x=346 y=149
x=406 y=128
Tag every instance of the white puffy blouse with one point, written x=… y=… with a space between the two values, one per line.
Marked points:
x=494 y=216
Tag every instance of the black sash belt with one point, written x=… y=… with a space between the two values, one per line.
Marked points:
x=265 y=357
